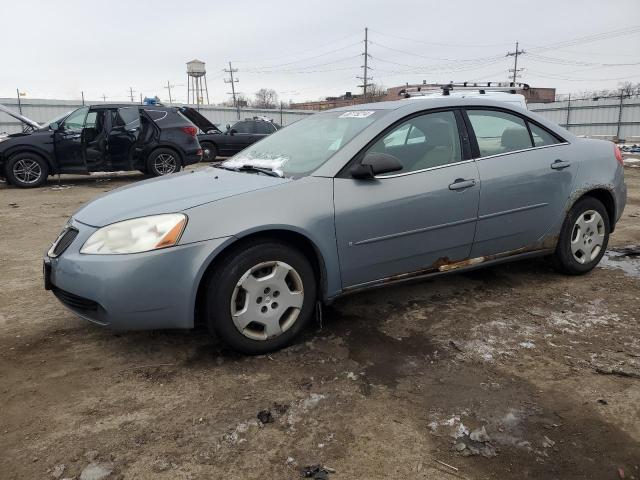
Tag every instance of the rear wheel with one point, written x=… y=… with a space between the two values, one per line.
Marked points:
x=163 y=161
x=584 y=237
x=209 y=151
x=261 y=297
x=27 y=170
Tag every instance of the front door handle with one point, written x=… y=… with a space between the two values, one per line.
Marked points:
x=560 y=164
x=461 y=184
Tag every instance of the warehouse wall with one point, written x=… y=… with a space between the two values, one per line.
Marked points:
x=45 y=110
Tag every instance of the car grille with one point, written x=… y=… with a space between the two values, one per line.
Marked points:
x=65 y=239
x=75 y=301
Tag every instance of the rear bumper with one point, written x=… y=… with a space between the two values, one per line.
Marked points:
x=193 y=156
x=150 y=290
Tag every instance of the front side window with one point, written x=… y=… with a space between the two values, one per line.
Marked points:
x=541 y=137
x=499 y=132
x=425 y=141
x=75 y=121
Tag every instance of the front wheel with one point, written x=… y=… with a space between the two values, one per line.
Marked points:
x=26 y=170
x=584 y=237
x=163 y=161
x=261 y=297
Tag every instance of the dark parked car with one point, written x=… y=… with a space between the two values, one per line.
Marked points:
x=235 y=138
x=154 y=140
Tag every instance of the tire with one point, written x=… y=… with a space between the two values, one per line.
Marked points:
x=261 y=296
x=26 y=170
x=584 y=237
x=209 y=152
x=163 y=161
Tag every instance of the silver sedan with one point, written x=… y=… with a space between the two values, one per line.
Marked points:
x=344 y=200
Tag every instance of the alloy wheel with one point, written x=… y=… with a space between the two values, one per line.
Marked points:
x=587 y=236
x=267 y=300
x=27 y=171
x=165 y=163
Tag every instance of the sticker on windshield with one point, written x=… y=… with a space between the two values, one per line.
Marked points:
x=357 y=114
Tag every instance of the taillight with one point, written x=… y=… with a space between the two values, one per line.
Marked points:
x=190 y=131
x=618 y=154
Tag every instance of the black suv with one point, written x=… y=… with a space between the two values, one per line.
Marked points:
x=236 y=137
x=153 y=139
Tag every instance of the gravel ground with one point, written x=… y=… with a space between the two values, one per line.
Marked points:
x=510 y=372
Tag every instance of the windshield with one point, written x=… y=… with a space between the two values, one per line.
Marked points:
x=56 y=119
x=302 y=147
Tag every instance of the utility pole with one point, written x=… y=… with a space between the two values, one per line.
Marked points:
x=104 y=98
x=131 y=94
x=365 y=78
x=169 y=87
x=19 y=104
x=141 y=102
x=515 y=69
x=232 y=81
x=82 y=93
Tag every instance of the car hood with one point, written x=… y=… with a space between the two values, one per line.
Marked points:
x=173 y=193
x=199 y=120
x=22 y=118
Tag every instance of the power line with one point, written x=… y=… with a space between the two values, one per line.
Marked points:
x=474 y=45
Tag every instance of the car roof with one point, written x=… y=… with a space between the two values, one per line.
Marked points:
x=420 y=103
x=125 y=105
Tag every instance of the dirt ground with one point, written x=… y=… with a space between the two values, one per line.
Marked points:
x=395 y=383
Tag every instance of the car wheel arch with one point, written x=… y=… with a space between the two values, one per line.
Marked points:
x=47 y=158
x=288 y=236
x=604 y=195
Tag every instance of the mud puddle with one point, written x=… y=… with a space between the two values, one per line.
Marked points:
x=626 y=259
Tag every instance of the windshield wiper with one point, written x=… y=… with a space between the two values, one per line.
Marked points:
x=252 y=168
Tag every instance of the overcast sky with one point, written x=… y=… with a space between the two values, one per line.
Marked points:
x=309 y=50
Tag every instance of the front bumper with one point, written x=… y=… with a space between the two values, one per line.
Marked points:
x=150 y=290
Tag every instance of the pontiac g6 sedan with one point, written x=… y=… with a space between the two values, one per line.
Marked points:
x=343 y=200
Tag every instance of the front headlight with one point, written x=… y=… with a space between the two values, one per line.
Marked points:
x=137 y=235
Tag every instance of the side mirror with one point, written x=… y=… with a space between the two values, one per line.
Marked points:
x=233 y=131
x=54 y=126
x=375 y=164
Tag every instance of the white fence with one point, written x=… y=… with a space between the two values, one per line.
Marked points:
x=611 y=117
x=42 y=111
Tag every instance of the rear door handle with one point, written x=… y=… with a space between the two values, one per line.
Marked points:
x=560 y=164
x=461 y=184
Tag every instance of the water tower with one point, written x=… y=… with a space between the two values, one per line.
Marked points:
x=196 y=90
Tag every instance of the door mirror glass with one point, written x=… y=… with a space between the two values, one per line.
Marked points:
x=54 y=126
x=375 y=163
x=233 y=131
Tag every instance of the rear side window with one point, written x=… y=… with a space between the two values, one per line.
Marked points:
x=127 y=117
x=499 y=132
x=264 y=128
x=541 y=137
